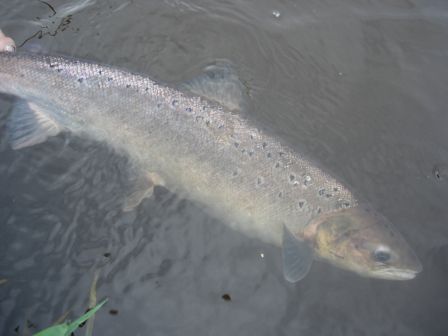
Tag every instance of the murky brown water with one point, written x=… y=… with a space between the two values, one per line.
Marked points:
x=359 y=86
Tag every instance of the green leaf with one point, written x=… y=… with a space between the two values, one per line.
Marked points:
x=65 y=329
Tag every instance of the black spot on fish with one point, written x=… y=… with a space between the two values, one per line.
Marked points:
x=100 y=72
x=335 y=189
x=260 y=180
x=264 y=145
x=52 y=65
x=189 y=109
x=207 y=122
x=269 y=155
x=113 y=312
x=251 y=153
x=174 y=102
x=301 y=204
x=107 y=254
x=128 y=86
x=109 y=79
x=236 y=144
x=80 y=80
x=243 y=151
x=291 y=178
x=321 y=192
x=59 y=70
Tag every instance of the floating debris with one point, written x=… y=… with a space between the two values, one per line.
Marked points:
x=226 y=297
x=440 y=172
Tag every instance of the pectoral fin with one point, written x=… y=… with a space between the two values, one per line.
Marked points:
x=29 y=125
x=142 y=187
x=297 y=257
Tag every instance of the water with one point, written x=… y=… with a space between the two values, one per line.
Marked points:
x=358 y=86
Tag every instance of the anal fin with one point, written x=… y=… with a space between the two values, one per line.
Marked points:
x=297 y=257
x=29 y=125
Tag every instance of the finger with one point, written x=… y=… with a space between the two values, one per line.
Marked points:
x=6 y=43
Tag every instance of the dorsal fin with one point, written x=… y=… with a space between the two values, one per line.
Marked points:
x=220 y=83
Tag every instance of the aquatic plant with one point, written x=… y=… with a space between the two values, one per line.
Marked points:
x=65 y=329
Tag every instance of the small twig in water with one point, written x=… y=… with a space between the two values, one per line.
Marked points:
x=49 y=6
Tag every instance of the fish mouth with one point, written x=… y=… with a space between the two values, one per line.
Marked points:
x=397 y=273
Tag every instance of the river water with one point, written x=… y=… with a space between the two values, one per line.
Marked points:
x=358 y=86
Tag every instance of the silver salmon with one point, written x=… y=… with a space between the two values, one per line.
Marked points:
x=248 y=177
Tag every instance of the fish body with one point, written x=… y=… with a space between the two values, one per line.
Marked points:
x=258 y=184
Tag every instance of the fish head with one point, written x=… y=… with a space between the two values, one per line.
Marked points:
x=360 y=239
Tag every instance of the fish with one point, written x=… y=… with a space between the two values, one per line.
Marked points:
x=250 y=178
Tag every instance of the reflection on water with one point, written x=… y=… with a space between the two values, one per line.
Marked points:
x=359 y=87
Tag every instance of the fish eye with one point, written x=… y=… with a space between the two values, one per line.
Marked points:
x=381 y=255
